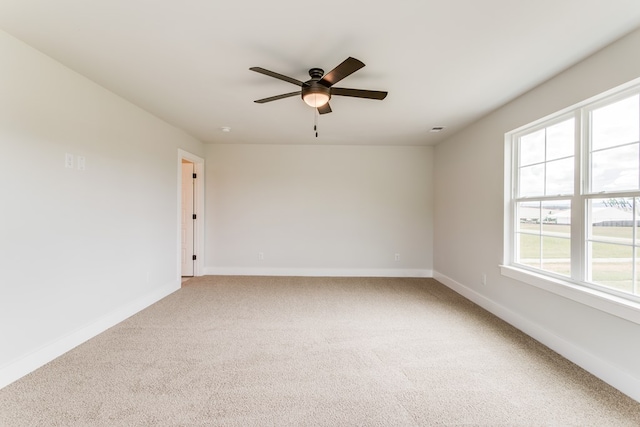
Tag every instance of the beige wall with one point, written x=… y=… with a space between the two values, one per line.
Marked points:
x=321 y=210
x=78 y=249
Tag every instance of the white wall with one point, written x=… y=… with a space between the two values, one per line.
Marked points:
x=79 y=250
x=468 y=238
x=319 y=210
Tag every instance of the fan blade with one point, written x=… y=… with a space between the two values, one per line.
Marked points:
x=358 y=93
x=324 y=109
x=276 y=75
x=348 y=67
x=275 y=98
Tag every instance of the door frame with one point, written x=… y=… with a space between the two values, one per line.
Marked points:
x=198 y=226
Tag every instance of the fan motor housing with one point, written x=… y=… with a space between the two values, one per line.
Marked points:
x=314 y=87
x=316 y=73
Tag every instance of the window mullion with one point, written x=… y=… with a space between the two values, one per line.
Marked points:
x=578 y=232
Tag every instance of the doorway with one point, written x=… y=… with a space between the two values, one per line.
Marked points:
x=187 y=218
x=190 y=214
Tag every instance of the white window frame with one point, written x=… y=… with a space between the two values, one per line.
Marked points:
x=574 y=288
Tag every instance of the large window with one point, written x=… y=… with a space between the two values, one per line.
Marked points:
x=574 y=195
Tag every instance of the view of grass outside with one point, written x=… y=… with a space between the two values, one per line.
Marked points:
x=611 y=259
x=549 y=252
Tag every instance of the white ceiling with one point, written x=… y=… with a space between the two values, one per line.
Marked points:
x=443 y=62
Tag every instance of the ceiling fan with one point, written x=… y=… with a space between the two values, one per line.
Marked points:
x=317 y=91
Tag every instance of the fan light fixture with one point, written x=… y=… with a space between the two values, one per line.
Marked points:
x=318 y=91
x=315 y=99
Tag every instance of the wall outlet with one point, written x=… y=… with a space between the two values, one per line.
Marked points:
x=68 y=161
x=80 y=160
x=397 y=258
x=260 y=256
x=484 y=278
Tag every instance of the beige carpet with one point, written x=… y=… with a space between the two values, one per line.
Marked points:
x=261 y=351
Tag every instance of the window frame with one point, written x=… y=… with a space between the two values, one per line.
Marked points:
x=576 y=287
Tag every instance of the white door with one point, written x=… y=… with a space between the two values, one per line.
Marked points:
x=187 y=219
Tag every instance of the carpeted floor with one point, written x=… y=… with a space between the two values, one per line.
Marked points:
x=294 y=351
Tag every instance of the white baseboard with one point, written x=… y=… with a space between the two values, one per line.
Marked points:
x=317 y=272
x=602 y=369
x=24 y=365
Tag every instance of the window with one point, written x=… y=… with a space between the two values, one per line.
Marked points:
x=573 y=192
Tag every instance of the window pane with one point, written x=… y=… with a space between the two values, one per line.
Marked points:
x=532 y=181
x=615 y=124
x=560 y=140
x=613 y=233
x=556 y=255
x=615 y=169
x=636 y=289
x=637 y=222
x=529 y=217
x=612 y=266
x=612 y=219
x=529 y=250
x=560 y=177
x=532 y=148
x=556 y=218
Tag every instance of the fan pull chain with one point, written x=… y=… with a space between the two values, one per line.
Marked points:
x=315 y=121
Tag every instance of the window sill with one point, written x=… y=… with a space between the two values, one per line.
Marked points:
x=617 y=306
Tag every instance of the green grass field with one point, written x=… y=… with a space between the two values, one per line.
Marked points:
x=611 y=258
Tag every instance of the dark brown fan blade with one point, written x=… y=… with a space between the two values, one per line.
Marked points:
x=324 y=109
x=358 y=93
x=348 y=67
x=276 y=75
x=275 y=98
